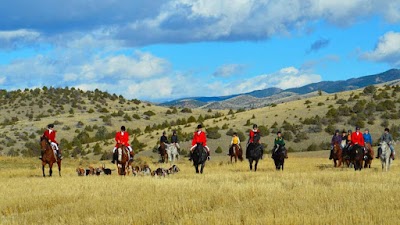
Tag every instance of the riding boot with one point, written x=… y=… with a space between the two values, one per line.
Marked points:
x=115 y=157
x=286 y=154
x=331 y=155
x=59 y=154
x=208 y=155
x=392 y=155
x=41 y=154
x=131 y=158
x=191 y=156
x=379 y=153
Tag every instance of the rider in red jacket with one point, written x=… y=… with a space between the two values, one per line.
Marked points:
x=199 y=137
x=122 y=138
x=50 y=134
x=357 y=138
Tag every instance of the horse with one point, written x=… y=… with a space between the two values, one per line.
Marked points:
x=199 y=157
x=163 y=152
x=172 y=152
x=278 y=155
x=254 y=153
x=369 y=154
x=237 y=153
x=49 y=156
x=386 y=160
x=123 y=159
x=357 y=156
x=337 y=155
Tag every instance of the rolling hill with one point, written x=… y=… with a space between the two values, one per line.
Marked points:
x=261 y=98
x=87 y=120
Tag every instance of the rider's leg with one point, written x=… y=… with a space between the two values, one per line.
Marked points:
x=393 y=153
x=208 y=152
x=285 y=150
x=331 y=153
x=41 y=154
x=379 y=153
x=130 y=153
x=191 y=152
x=55 y=146
x=115 y=155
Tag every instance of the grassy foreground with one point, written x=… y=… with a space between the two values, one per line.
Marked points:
x=309 y=191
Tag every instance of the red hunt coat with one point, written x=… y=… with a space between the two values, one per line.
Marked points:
x=51 y=136
x=357 y=138
x=122 y=138
x=199 y=138
x=252 y=136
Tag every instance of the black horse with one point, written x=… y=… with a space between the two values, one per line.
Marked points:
x=357 y=156
x=254 y=152
x=199 y=157
x=278 y=155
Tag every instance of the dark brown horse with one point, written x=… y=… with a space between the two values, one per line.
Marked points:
x=123 y=159
x=163 y=152
x=337 y=155
x=236 y=153
x=254 y=153
x=370 y=155
x=49 y=157
x=357 y=156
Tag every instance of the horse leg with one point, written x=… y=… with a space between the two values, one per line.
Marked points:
x=59 y=167
x=202 y=167
x=45 y=175
x=197 y=168
x=50 y=169
x=251 y=164
x=255 y=166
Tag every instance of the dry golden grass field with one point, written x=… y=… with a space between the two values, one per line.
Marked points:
x=308 y=191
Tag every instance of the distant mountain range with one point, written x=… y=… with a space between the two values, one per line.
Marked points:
x=261 y=98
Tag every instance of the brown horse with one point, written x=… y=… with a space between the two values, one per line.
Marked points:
x=369 y=154
x=123 y=159
x=236 y=153
x=49 y=157
x=337 y=155
x=163 y=152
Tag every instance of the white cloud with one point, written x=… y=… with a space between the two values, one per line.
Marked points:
x=387 y=50
x=14 y=38
x=141 y=65
x=2 y=80
x=143 y=22
x=229 y=70
x=285 y=78
x=70 y=77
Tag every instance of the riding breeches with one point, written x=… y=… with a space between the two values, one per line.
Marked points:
x=54 y=146
x=129 y=147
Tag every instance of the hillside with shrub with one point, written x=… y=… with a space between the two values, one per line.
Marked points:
x=86 y=121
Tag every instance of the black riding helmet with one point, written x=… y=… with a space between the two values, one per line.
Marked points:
x=255 y=126
x=123 y=128
x=50 y=126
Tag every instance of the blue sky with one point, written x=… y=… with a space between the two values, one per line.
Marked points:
x=162 y=50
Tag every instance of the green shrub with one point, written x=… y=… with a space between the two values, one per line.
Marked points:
x=218 y=150
x=212 y=133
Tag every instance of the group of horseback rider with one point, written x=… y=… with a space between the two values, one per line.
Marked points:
x=164 y=140
x=254 y=138
x=357 y=138
x=122 y=138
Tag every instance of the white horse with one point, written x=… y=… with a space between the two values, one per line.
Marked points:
x=386 y=160
x=172 y=152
